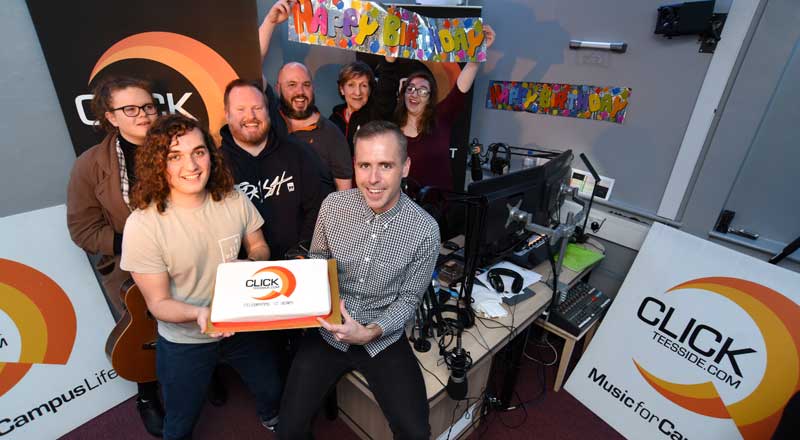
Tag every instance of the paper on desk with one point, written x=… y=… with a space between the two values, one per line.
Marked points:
x=528 y=277
x=578 y=258
x=487 y=302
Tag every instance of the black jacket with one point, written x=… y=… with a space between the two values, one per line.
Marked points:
x=380 y=105
x=285 y=184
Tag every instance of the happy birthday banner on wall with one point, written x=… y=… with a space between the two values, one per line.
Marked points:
x=577 y=101
x=370 y=27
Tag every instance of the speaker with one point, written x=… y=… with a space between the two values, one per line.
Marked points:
x=496 y=279
x=687 y=18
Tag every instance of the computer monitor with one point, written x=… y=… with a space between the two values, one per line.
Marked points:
x=537 y=188
x=557 y=175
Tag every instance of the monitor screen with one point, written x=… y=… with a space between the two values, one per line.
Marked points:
x=557 y=173
x=538 y=190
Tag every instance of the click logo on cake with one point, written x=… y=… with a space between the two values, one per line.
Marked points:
x=726 y=354
x=44 y=319
x=203 y=67
x=271 y=282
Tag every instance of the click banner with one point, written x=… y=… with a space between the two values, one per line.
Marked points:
x=54 y=321
x=701 y=342
x=189 y=49
x=370 y=27
x=577 y=101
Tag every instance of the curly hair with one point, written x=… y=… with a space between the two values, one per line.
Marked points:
x=104 y=91
x=152 y=185
x=354 y=70
x=428 y=117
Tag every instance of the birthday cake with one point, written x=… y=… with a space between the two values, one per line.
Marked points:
x=266 y=291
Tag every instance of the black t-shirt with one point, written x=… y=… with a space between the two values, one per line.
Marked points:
x=331 y=146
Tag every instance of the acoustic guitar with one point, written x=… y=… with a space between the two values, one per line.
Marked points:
x=131 y=346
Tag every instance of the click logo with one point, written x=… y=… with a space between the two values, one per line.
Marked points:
x=43 y=315
x=778 y=320
x=204 y=68
x=275 y=279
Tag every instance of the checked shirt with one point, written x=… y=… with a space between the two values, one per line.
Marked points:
x=385 y=261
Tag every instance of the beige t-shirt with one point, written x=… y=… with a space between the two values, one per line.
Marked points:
x=188 y=244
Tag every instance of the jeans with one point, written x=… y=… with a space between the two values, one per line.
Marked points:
x=393 y=376
x=185 y=370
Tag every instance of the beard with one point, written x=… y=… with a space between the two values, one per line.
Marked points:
x=291 y=113
x=240 y=134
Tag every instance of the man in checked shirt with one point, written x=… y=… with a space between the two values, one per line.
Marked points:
x=385 y=246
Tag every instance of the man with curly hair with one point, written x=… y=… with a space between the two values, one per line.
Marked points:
x=188 y=220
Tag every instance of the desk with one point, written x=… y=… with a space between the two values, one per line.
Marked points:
x=569 y=346
x=361 y=413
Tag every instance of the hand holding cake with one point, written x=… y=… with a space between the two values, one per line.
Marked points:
x=351 y=331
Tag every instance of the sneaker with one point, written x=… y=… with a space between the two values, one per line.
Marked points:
x=271 y=424
x=152 y=415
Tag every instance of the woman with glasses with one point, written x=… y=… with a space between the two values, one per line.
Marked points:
x=427 y=125
x=98 y=198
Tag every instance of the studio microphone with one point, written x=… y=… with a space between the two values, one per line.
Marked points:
x=475 y=161
x=457 y=384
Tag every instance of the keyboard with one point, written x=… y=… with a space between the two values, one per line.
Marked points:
x=583 y=306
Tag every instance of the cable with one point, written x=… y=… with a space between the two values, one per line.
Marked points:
x=499 y=324
x=431 y=373
x=602 y=251
x=546 y=364
x=539 y=397
x=467 y=415
x=484 y=344
x=520 y=406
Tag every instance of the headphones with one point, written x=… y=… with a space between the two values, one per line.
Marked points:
x=463 y=316
x=498 y=164
x=496 y=280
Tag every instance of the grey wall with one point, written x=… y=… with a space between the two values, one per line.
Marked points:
x=36 y=154
x=666 y=75
x=752 y=161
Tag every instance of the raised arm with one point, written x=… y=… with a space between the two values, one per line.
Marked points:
x=384 y=97
x=470 y=71
x=277 y=14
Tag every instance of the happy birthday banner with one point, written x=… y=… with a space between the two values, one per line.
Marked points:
x=370 y=27
x=577 y=101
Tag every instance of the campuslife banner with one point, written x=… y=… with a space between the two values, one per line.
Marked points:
x=572 y=100
x=370 y=27
x=701 y=343
x=190 y=49
x=54 y=375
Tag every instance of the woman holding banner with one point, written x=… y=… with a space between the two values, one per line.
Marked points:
x=427 y=125
x=98 y=202
x=365 y=98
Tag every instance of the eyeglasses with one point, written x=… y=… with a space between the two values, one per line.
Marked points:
x=420 y=91
x=133 y=110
